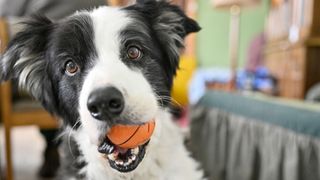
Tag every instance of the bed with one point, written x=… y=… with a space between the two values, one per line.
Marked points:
x=244 y=137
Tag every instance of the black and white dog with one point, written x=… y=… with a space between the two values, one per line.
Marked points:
x=108 y=66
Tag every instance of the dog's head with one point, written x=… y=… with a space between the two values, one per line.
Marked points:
x=99 y=68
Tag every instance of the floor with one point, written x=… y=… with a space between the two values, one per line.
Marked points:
x=27 y=151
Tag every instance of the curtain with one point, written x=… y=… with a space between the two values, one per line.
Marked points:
x=233 y=147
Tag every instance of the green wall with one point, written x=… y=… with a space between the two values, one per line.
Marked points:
x=212 y=40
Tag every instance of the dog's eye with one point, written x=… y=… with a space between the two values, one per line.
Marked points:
x=71 y=68
x=134 y=53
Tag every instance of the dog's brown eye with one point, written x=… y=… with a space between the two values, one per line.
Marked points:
x=71 y=68
x=134 y=53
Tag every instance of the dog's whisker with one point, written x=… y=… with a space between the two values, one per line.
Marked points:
x=69 y=137
x=161 y=100
x=170 y=100
x=158 y=97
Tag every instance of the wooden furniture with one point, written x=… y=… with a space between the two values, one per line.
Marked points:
x=292 y=52
x=20 y=113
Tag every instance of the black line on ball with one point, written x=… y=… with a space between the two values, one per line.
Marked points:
x=130 y=136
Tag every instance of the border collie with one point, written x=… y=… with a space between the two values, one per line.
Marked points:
x=107 y=66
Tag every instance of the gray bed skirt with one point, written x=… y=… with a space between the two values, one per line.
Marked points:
x=236 y=147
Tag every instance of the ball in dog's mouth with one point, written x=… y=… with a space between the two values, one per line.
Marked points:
x=122 y=159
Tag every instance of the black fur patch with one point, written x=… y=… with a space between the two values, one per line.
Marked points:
x=37 y=55
x=72 y=40
x=73 y=161
x=25 y=60
x=159 y=30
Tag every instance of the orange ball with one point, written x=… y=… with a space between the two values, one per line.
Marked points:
x=131 y=136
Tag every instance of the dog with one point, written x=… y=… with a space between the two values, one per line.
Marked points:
x=102 y=67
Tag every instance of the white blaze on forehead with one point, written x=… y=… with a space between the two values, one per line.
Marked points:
x=108 y=22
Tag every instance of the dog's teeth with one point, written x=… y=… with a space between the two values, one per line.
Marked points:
x=135 y=151
x=111 y=157
x=128 y=162
x=133 y=157
x=119 y=162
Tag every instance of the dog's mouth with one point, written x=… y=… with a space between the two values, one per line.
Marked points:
x=121 y=159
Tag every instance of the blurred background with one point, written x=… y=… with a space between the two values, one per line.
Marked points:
x=246 y=95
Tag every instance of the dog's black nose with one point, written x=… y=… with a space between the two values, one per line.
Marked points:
x=105 y=103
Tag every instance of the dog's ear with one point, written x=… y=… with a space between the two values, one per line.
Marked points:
x=170 y=18
x=24 y=59
x=170 y=24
